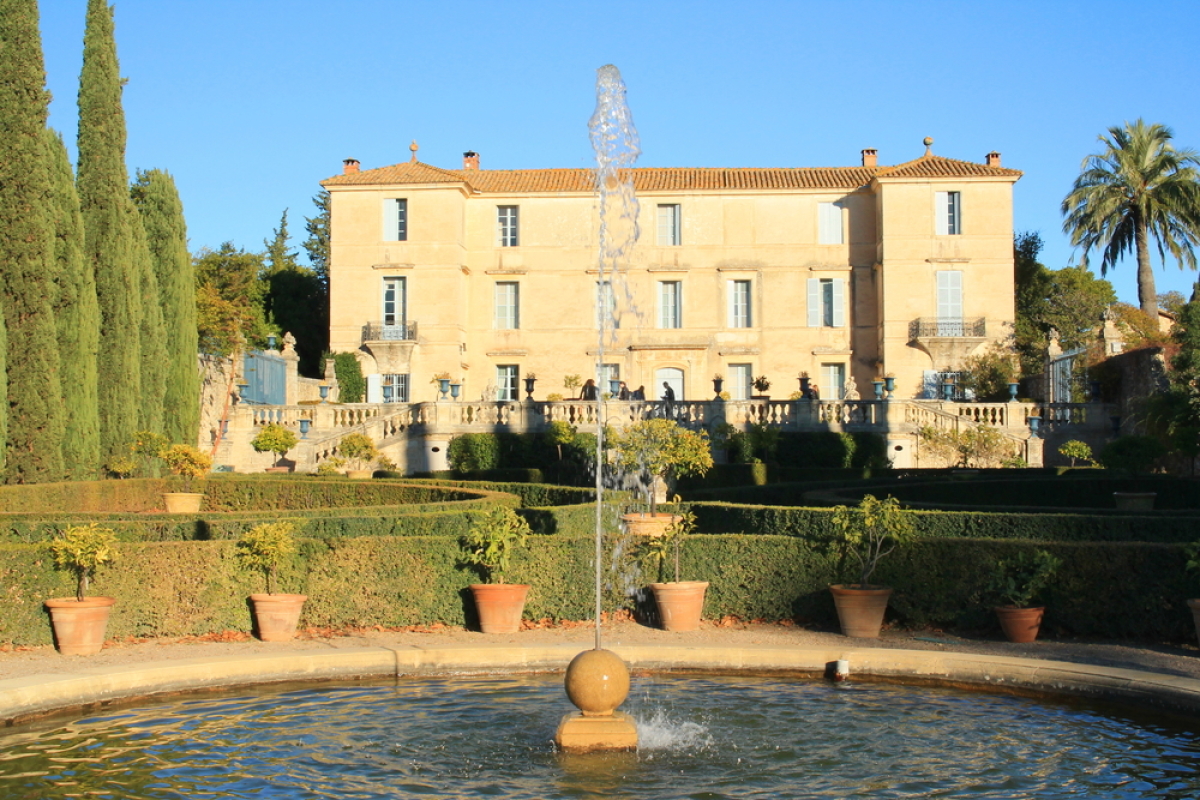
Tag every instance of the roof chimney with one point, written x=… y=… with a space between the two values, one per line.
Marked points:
x=349 y=166
x=993 y=159
x=870 y=157
x=470 y=160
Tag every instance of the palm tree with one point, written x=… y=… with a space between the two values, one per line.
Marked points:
x=1139 y=187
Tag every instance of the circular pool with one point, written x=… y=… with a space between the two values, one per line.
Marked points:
x=710 y=737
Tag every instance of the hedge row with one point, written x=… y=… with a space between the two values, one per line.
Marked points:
x=1120 y=590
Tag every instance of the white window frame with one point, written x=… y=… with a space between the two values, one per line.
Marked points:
x=395 y=219
x=670 y=304
x=670 y=225
x=833 y=381
x=508 y=226
x=394 y=302
x=507 y=314
x=949 y=288
x=606 y=373
x=948 y=213
x=399 y=383
x=506 y=382
x=831 y=226
x=740 y=305
x=606 y=305
x=741 y=376
x=826 y=303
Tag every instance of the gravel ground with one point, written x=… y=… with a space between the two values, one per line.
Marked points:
x=1163 y=658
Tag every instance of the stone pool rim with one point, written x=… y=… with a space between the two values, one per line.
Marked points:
x=78 y=687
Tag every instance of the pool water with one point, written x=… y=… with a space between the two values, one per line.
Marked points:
x=701 y=737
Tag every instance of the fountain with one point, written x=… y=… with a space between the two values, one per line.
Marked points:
x=597 y=680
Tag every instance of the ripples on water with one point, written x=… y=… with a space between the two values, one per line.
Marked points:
x=742 y=737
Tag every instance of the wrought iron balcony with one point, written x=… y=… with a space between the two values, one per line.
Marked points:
x=389 y=332
x=947 y=327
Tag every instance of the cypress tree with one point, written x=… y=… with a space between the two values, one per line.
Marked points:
x=152 y=337
x=34 y=407
x=77 y=317
x=108 y=241
x=158 y=201
x=294 y=300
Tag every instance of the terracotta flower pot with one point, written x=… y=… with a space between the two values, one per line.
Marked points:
x=276 y=615
x=860 y=611
x=79 y=625
x=1194 y=605
x=645 y=524
x=680 y=604
x=278 y=470
x=182 y=502
x=359 y=474
x=500 y=606
x=1020 y=625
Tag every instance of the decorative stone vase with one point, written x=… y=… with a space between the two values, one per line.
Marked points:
x=182 y=502
x=276 y=615
x=860 y=611
x=804 y=382
x=718 y=385
x=499 y=606
x=79 y=625
x=360 y=474
x=878 y=387
x=1020 y=625
x=1194 y=605
x=680 y=604
x=646 y=524
x=890 y=385
x=1134 y=501
x=529 y=382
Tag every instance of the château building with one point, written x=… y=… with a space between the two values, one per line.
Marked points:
x=844 y=274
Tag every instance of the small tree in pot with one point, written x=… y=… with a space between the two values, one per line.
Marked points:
x=658 y=451
x=79 y=623
x=360 y=452
x=274 y=438
x=867 y=533
x=488 y=546
x=189 y=463
x=680 y=603
x=265 y=547
x=1015 y=582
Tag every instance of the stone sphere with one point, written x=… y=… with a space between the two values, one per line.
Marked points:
x=597 y=682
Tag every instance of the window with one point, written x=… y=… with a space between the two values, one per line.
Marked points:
x=506 y=229
x=395 y=220
x=508 y=298
x=506 y=382
x=833 y=381
x=670 y=304
x=669 y=225
x=950 y=303
x=739 y=304
x=829 y=224
x=395 y=307
x=949 y=213
x=826 y=303
x=740 y=376
x=608 y=373
x=606 y=306
x=395 y=388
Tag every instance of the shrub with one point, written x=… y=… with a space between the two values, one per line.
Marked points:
x=83 y=549
x=351 y=384
x=1135 y=454
x=274 y=438
x=490 y=543
x=188 y=462
x=264 y=548
x=474 y=452
x=358 y=450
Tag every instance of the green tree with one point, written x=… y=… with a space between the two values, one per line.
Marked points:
x=351 y=384
x=229 y=300
x=34 y=407
x=295 y=300
x=78 y=318
x=158 y=201
x=317 y=243
x=152 y=338
x=1139 y=187
x=103 y=186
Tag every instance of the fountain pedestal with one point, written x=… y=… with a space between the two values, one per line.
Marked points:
x=597 y=681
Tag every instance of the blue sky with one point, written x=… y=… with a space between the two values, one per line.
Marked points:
x=250 y=103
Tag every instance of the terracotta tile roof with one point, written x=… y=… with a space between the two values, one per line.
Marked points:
x=931 y=166
x=673 y=179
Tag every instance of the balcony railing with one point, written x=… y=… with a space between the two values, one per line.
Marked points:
x=390 y=332
x=947 y=327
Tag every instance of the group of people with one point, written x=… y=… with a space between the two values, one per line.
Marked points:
x=591 y=392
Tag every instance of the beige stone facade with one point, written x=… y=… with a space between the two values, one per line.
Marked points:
x=843 y=273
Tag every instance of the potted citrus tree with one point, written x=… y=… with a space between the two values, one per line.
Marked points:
x=1015 y=582
x=658 y=451
x=865 y=534
x=79 y=622
x=360 y=453
x=274 y=438
x=264 y=547
x=188 y=463
x=680 y=603
x=488 y=546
